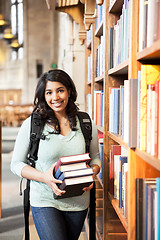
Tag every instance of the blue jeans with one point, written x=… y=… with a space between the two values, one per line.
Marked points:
x=53 y=224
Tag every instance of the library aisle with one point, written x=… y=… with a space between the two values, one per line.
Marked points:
x=12 y=221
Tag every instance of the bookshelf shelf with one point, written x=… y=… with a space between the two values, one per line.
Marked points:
x=99 y=79
x=151 y=160
x=101 y=129
x=120 y=69
x=89 y=83
x=119 y=211
x=150 y=53
x=117 y=138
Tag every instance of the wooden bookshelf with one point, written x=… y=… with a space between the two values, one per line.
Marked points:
x=0 y=169
x=112 y=223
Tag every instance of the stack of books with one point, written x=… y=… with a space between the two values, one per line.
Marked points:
x=74 y=173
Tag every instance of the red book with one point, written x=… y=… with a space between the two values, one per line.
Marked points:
x=115 y=150
x=72 y=159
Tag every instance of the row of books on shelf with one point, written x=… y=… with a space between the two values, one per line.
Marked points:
x=134 y=110
x=100 y=58
x=89 y=35
x=100 y=14
x=147 y=208
x=98 y=108
x=119 y=38
x=149 y=124
x=118 y=175
x=149 y=22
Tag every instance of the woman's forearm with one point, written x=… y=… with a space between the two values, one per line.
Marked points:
x=32 y=174
x=46 y=177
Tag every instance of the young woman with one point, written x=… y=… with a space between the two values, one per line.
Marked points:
x=55 y=98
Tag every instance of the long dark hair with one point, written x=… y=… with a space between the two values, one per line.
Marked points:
x=41 y=106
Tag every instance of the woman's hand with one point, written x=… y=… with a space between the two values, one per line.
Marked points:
x=96 y=170
x=52 y=182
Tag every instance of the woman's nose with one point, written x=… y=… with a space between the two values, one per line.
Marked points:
x=55 y=96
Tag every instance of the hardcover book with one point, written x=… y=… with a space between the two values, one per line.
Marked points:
x=69 y=167
x=74 y=186
x=72 y=159
x=76 y=173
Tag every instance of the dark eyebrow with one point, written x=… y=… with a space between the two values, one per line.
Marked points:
x=56 y=89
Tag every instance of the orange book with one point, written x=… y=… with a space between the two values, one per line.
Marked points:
x=150 y=74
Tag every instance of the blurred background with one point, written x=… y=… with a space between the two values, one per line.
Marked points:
x=35 y=36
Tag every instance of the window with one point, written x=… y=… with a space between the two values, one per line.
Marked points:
x=17 y=26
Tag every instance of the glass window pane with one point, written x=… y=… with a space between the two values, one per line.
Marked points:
x=13 y=1
x=20 y=1
x=20 y=53
x=20 y=23
x=13 y=55
x=13 y=19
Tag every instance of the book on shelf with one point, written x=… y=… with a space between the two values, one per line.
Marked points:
x=143 y=11
x=114 y=97
x=157 y=231
x=149 y=75
x=139 y=208
x=125 y=189
x=158 y=120
x=72 y=159
x=121 y=111
x=138 y=107
x=126 y=111
x=122 y=160
x=132 y=119
x=156 y=133
x=74 y=186
x=110 y=60
x=115 y=150
x=101 y=158
x=146 y=208
x=121 y=36
x=99 y=107
x=116 y=176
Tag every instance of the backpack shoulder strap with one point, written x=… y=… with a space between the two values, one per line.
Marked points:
x=86 y=127
x=36 y=134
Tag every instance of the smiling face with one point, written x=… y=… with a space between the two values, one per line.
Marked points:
x=56 y=95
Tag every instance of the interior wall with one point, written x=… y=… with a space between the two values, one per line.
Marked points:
x=71 y=55
x=50 y=37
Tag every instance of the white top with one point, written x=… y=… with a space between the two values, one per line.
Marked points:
x=50 y=150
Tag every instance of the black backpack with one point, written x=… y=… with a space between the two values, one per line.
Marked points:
x=36 y=134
